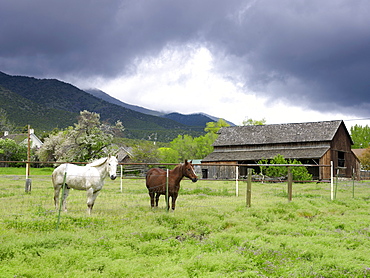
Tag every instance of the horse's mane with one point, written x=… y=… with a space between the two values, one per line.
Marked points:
x=98 y=162
x=178 y=167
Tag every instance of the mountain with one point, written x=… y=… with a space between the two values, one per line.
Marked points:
x=215 y=119
x=104 y=96
x=49 y=103
x=199 y=120
x=195 y=120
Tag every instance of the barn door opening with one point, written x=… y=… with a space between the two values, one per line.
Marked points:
x=204 y=173
x=341 y=160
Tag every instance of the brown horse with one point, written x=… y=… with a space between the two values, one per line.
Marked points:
x=156 y=182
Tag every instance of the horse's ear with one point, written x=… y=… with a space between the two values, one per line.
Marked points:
x=186 y=161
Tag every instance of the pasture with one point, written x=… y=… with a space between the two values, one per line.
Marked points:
x=210 y=234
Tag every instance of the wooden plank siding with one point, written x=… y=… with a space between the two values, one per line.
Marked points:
x=223 y=171
x=325 y=160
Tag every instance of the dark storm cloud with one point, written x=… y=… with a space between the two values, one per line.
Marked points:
x=322 y=45
x=316 y=52
x=55 y=37
x=94 y=37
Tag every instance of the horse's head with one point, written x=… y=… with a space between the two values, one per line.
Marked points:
x=112 y=163
x=188 y=171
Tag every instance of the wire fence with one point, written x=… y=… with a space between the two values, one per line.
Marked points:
x=129 y=193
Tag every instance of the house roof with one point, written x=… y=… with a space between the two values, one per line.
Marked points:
x=278 y=133
x=15 y=137
x=358 y=152
x=123 y=153
x=304 y=153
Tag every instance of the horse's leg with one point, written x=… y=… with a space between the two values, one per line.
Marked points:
x=157 y=199
x=91 y=196
x=64 y=197
x=56 y=196
x=151 y=194
x=174 y=197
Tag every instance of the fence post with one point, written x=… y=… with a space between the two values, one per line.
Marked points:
x=121 y=177
x=28 y=165
x=336 y=185
x=167 y=195
x=249 y=187
x=236 y=181
x=331 y=181
x=290 y=185
x=27 y=188
x=353 y=182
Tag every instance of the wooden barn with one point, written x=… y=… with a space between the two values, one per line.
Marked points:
x=310 y=143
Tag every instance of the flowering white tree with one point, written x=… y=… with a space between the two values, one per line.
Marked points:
x=85 y=141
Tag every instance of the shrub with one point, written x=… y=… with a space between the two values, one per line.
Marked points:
x=299 y=173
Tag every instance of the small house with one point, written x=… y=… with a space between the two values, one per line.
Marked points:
x=35 y=142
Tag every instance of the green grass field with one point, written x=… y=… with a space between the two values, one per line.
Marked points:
x=210 y=234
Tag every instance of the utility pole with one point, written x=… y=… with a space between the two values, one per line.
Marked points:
x=28 y=180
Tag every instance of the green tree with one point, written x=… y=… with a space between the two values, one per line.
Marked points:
x=145 y=152
x=214 y=127
x=12 y=151
x=360 y=136
x=204 y=144
x=168 y=155
x=249 y=121
x=185 y=146
x=188 y=147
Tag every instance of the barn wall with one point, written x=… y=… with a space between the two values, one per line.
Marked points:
x=220 y=172
x=342 y=153
x=355 y=166
x=341 y=140
x=325 y=160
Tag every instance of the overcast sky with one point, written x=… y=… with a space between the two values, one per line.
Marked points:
x=285 y=61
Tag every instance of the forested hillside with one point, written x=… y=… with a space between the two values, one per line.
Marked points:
x=22 y=111
x=50 y=103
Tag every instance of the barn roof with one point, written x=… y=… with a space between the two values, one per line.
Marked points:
x=278 y=133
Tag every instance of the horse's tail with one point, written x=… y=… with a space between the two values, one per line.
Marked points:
x=54 y=176
x=147 y=176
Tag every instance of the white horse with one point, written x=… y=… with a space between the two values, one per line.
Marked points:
x=90 y=178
